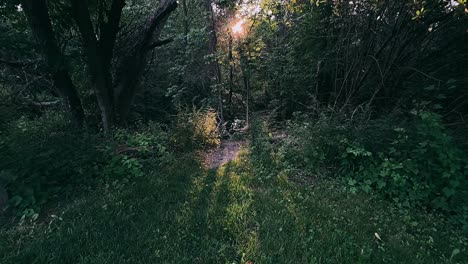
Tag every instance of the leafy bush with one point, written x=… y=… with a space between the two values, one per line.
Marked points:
x=313 y=143
x=130 y=150
x=196 y=129
x=413 y=162
x=42 y=159
x=146 y=141
x=421 y=166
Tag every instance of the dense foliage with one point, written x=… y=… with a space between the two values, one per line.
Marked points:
x=366 y=98
x=414 y=163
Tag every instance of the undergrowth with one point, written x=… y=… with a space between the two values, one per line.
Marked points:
x=43 y=159
x=412 y=161
x=196 y=129
x=243 y=212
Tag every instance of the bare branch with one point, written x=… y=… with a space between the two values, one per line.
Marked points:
x=160 y=43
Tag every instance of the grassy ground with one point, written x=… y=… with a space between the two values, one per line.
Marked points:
x=186 y=214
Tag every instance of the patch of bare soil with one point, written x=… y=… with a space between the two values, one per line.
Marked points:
x=226 y=152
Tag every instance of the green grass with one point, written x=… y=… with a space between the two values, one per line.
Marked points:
x=185 y=214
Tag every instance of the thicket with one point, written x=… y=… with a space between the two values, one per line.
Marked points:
x=414 y=161
x=196 y=129
x=375 y=96
x=44 y=159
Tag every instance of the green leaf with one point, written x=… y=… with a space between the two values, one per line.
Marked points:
x=351 y=182
x=16 y=200
x=381 y=184
x=448 y=192
x=454 y=253
x=366 y=188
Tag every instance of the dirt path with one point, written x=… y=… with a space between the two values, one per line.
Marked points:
x=223 y=154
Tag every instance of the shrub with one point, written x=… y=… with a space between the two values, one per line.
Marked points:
x=421 y=166
x=149 y=140
x=313 y=143
x=414 y=162
x=41 y=158
x=130 y=150
x=196 y=129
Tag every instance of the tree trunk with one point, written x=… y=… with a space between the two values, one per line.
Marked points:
x=214 y=70
x=245 y=68
x=247 y=93
x=38 y=17
x=231 y=75
x=186 y=21
x=99 y=54
x=100 y=76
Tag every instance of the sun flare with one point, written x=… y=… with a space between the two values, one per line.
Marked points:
x=238 y=28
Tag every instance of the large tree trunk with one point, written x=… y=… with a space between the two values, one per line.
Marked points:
x=99 y=53
x=100 y=74
x=38 y=17
x=133 y=66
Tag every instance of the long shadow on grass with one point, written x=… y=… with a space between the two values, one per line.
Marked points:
x=201 y=237
x=180 y=214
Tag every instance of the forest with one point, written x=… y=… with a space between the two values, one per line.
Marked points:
x=233 y=131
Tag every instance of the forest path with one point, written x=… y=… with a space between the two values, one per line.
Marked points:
x=226 y=152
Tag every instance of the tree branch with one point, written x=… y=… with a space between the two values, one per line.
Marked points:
x=18 y=64
x=110 y=31
x=160 y=43
x=163 y=11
